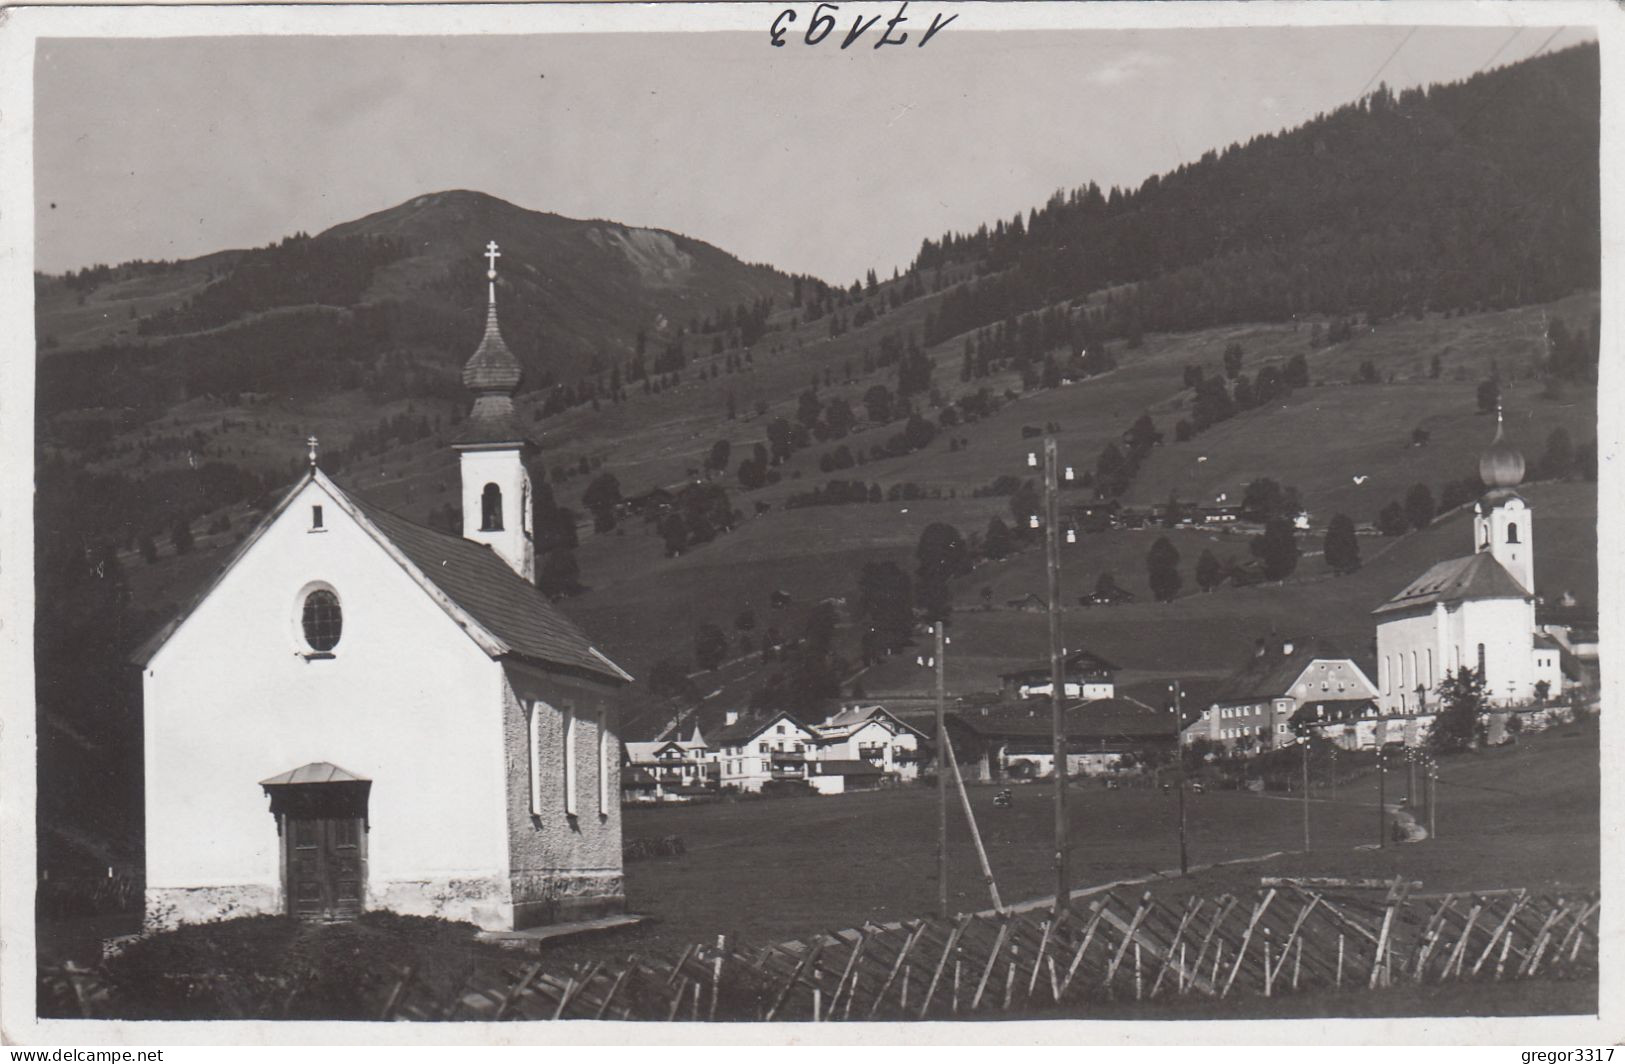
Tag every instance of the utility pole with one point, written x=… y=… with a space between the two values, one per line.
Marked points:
x=1382 y=795
x=1433 y=798
x=1179 y=756
x=942 y=781
x=1305 y=741
x=1057 y=667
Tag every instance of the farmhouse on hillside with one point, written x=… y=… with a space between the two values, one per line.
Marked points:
x=360 y=712
x=1086 y=676
x=1476 y=611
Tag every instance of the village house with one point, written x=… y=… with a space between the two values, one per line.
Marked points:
x=753 y=751
x=638 y=785
x=680 y=768
x=1253 y=710
x=1351 y=723
x=1017 y=739
x=840 y=775
x=870 y=734
x=1086 y=676
x=360 y=712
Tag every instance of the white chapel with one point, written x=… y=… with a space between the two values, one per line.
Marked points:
x=1476 y=611
x=361 y=712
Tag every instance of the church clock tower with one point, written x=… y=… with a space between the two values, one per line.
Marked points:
x=1503 y=523
x=496 y=487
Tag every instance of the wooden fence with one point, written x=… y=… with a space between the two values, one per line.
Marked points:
x=1285 y=939
x=1288 y=938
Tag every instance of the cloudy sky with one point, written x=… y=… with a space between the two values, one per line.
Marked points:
x=811 y=159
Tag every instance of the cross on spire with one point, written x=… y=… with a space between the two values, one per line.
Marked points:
x=311 y=443
x=491 y=257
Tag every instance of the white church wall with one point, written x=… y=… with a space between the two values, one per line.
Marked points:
x=407 y=699
x=1506 y=628
x=1408 y=656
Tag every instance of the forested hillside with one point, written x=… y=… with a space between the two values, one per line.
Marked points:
x=1481 y=194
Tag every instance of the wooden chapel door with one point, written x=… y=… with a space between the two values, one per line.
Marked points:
x=326 y=866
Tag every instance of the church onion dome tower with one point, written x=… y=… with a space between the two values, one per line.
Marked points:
x=493 y=375
x=496 y=486
x=1501 y=468
x=1503 y=521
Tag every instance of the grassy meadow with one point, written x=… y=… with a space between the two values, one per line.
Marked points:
x=641 y=606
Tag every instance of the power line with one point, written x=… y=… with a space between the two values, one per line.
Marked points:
x=1385 y=62
x=1497 y=53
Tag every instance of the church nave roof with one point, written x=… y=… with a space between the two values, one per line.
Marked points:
x=1477 y=576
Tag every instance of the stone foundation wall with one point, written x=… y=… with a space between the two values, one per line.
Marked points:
x=563 y=895
x=169 y=907
x=482 y=900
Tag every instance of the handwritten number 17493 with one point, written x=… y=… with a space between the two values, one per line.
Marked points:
x=822 y=26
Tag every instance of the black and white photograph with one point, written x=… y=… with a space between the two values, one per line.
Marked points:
x=772 y=515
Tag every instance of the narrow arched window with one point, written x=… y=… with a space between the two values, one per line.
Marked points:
x=607 y=767
x=1512 y=532
x=491 y=509
x=322 y=620
x=1481 y=661
x=569 y=773
x=537 y=768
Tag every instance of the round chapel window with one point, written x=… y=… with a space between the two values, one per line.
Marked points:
x=323 y=620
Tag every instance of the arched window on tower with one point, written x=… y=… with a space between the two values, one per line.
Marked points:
x=1512 y=532
x=491 y=509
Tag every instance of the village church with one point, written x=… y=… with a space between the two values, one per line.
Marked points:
x=1476 y=611
x=361 y=712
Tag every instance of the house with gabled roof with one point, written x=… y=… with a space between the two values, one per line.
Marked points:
x=680 y=767
x=1253 y=709
x=755 y=750
x=1016 y=738
x=870 y=734
x=1086 y=676
x=360 y=712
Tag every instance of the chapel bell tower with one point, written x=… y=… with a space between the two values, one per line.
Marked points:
x=496 y=487
x=1503 y=522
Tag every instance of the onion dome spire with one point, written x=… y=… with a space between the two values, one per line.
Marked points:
x=1501 y=467
x=492 y=374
